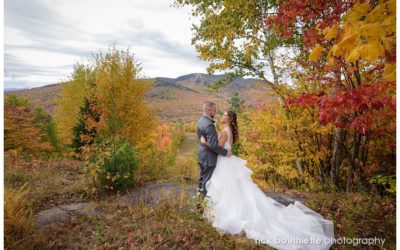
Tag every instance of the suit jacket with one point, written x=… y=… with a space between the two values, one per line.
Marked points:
x=208 y=155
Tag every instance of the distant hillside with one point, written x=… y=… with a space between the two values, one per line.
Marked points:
x=12 y=89
x=40 y=96
x=175 y=99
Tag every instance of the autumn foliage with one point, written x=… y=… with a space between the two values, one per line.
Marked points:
x=106 y=119
x=331 y=63
x=348 y=80
x=22 y=133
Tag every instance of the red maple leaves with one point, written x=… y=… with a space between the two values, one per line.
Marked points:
x=358 y=107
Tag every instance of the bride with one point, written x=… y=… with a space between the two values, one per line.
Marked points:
x=236 y=205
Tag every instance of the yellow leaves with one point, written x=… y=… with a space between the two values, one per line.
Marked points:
x=357 y=12
x=248 y=52
x=372 y=51
x=369 y=30
x=330 y=32
x=389 y=24
x=354 y=55
x=391 y=6
x=366 y=34
x=18 y=217
x=316 y=52
x=335 y=50
x=376 y=14
x=369 y=52
x=345 y=46
x=389 y=73
x=361 y=8
x=348 y=42
x=93 y=172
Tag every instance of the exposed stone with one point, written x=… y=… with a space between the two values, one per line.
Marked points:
x=51 y=215
x=153 y=193
x=65 y=212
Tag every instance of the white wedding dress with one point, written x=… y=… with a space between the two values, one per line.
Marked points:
x=237 y=205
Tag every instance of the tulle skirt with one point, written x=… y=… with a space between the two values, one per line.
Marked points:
x=236 y=205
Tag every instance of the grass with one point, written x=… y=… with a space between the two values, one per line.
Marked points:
x=172 y=224
x=358 y=215
x=50 y=182
x=186 y=169
x=18 y=218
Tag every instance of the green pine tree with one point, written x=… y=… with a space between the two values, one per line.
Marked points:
x=235 y=103
x=80 y=127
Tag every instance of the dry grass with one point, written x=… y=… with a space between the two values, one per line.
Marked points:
x=50 y=182
x=18 y=219
x=173 y=224
x=170 y=225
x=357 y=215
x=186 y=168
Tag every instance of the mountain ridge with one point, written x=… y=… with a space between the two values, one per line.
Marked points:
x=174 y=99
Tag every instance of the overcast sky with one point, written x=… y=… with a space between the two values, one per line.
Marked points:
x=45 y=38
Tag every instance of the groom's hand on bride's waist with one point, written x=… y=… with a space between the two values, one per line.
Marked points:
x=229 y=153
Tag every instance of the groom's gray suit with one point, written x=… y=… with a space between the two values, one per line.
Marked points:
x=207 y=156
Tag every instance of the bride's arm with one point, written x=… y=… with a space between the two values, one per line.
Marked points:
x=204 y=142
x=221 y=139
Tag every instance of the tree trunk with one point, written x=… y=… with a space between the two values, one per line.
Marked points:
x=272 y=66
x=356 y=151
x=337 y=153
x=270 y=58
x=321 y=172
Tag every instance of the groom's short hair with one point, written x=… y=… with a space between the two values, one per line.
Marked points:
x=207 y=105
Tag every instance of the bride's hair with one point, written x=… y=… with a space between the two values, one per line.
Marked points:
x=233 y=126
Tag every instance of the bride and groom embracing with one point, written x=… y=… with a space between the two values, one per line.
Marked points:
x=234 y=204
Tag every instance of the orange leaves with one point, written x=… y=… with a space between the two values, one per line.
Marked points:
x=330 y=32
x=91 y=122
x=316 y=52
x=21 y=132
x=165 y=138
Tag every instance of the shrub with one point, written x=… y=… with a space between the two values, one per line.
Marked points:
x=45 y=121
x=158 y=153
x=17 y=101
x=113 y=164
x=22 y=132
x=18 y=222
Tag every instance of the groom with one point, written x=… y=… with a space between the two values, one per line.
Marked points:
x=207 y=156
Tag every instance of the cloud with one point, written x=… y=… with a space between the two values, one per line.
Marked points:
x=52 y=48
x=35 y=20
x=44 y=38
x=18 y=73
x=156 y=41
